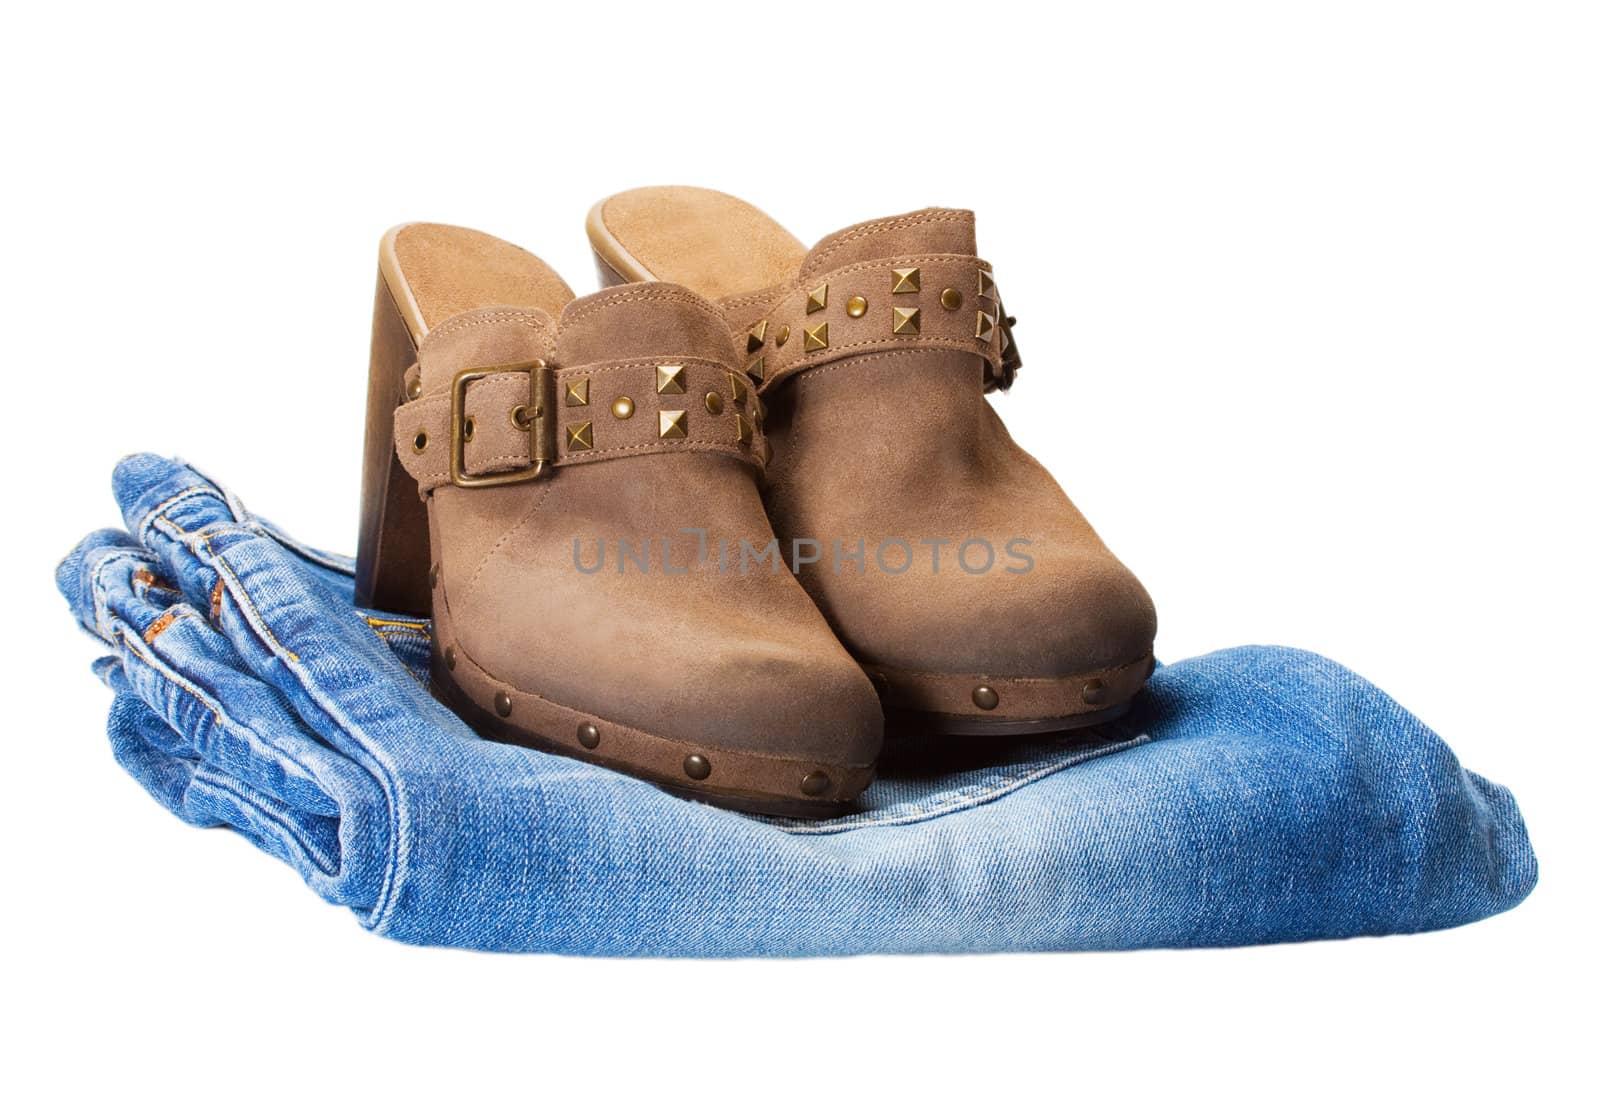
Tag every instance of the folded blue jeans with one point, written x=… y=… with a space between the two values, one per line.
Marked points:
x=1258 y=794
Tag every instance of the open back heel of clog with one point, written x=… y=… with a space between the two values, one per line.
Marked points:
x=427 y=273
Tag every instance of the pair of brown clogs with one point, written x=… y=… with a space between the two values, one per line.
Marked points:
x=712 y=525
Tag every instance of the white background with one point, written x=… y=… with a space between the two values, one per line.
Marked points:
x=1309 y=305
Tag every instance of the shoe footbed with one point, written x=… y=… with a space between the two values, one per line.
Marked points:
x=436 y=272
x=712 y=243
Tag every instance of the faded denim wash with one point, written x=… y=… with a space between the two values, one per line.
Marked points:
x=1253 y=795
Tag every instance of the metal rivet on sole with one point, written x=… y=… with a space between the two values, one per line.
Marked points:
x=502 y=703
x=985 y=698
x=816 y=783
x=449 y=658
x=588 y=735
x=1094 y=691
x=697 y=767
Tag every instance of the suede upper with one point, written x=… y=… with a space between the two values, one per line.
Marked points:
x=898 y=442
x=702 y=654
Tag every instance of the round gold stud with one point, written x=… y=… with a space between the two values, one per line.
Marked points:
x=622 y=408
x=469 y=429
x=449 y=658
x=950 y=298
x=697 y=767
x=502 y=703
x=419 y=443
x=855 y=306
x=1094 y=691
x=783 y=336
x=816 y=783
x=588 y=735
x=414 y=388
x=433 y=577
x=985 y=698
x=713 y=402
x=519 y=418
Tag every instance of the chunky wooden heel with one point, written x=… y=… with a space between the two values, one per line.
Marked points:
x=392 y=555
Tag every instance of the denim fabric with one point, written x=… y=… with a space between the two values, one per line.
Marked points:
x=1253 y=795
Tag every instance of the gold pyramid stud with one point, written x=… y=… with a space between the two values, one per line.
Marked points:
x=580 y=437
x=758 y=369
x=817 y=339
x=674 y=424
x=906 y=281
x=669 y=378
x=758 y=337
x=907 y=322
x=985 y=283
x=737 y=387
x=578 y=392
x=985 y=326
x=817 y=300
x=742 y=430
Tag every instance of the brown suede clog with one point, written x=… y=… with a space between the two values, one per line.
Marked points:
x=579 y=463
x=976 y=596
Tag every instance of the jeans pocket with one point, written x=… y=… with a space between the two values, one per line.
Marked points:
x=922 y=778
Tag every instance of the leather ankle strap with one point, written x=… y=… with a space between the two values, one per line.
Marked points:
x=936 y=301
x=516 y=422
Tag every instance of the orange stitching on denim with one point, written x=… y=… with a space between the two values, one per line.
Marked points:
x=379 y=622
x=143 y=577
x=167 y=619
x=243 y=597
x=157 y=513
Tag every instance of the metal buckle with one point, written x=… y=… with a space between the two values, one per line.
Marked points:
x=541 y=423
